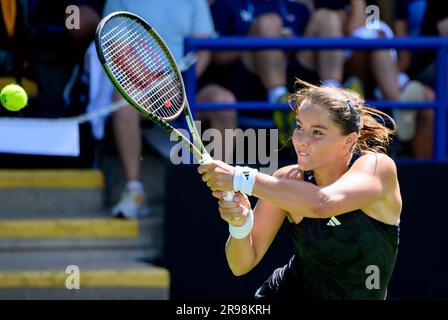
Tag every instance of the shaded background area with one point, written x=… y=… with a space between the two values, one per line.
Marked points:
x=195 y=239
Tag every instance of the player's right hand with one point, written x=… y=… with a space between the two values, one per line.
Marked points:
x=234 y=212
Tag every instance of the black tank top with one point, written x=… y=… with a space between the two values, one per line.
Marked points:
x=335 y=257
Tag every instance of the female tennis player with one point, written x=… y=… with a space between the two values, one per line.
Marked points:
x=342 y=200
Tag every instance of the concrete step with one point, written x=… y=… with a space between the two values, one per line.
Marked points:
x=20 y=235
x=85 y=293
x=88 y=259
x=75 y=233
x=68 y=228
x=99 y=274
x=66 y=191
x=157 y=211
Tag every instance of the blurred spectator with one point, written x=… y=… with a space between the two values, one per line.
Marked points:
x=39 y=51
x=377 y=65
x=215 y=85
x=420 y=123
x=379 y=71
x=325 y=21
x=264 y=74
x=408 y=21
x=270 y=74
x=90 y=13
x=435 y=23
x=14 y=45
x=191 y=19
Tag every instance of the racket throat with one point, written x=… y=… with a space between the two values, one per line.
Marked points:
x=195 y=135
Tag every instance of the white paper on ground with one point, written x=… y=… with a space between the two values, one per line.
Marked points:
x=39 y=136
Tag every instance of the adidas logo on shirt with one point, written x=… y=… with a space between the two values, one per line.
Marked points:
x=333 y=222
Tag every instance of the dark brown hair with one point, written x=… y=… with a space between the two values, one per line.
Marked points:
x=350 y=114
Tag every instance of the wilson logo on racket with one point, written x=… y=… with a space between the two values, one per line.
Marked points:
x=140 y=63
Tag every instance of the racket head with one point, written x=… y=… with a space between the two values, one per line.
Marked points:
x=140 y=65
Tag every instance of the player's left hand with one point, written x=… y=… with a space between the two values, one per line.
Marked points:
x=234 y=212
x=218 y=175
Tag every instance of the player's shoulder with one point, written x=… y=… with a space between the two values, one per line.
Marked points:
x=380 y=162
x=289 y=172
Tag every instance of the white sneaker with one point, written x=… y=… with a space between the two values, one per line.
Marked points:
x=406 y=118
x=132 y=205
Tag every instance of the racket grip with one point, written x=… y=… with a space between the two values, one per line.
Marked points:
x=229 y=196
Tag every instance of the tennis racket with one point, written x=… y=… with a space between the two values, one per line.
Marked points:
x=142 y=68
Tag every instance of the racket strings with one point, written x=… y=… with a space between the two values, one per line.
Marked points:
x=156 y=90
x=141 y=67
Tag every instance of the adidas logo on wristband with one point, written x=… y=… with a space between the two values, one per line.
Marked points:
x=244 y=179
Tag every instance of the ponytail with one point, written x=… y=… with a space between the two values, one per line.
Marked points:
x=376 y=131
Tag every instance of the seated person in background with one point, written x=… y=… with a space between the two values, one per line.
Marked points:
x=90 y=13
x=190 y=19
x=39 y=52
x=215 y=84
x=378 y=69
x=377 y=66
x=14 y=53
x=269 y=69
x=416 y=125
x=265 y=74
x=435 y=23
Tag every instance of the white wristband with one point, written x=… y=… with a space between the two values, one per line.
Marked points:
x=244 y=230
x=244 y=179
x=237 y=176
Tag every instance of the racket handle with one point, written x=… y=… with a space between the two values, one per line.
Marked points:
x=229 y=196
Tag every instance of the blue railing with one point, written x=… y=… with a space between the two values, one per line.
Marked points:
x=438 y=44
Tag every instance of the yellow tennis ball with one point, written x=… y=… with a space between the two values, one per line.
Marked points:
x=13 y=97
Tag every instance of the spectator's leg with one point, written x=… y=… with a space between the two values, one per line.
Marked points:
x=127 y=131
x=328 y=63
x=422 y=143
x=442 y=27
x=268 y=64
x=385 y=73
x=219 y=119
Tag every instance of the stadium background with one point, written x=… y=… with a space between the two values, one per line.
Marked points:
x=54 y=214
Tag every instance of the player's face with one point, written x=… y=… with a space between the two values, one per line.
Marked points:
x=317 y=140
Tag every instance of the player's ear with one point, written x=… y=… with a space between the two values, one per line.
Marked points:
x=351 y=141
